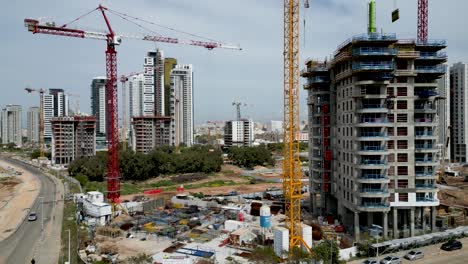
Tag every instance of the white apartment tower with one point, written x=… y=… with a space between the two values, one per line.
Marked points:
x=459 y=111
x=10 y=123
x=55 y=104
x=153 y=84
x=182 y=103
x=239 y=133
x=33 y=121
x=135 y=89
x=443 y=113
x=98 y=103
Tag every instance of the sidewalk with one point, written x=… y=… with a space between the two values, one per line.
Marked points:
x=48 y=250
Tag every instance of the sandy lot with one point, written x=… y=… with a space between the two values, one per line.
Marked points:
x=16 y=198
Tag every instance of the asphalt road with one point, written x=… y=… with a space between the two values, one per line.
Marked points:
x=20 y=246
x=434 y=255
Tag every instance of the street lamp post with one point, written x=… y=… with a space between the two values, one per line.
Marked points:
x=69 y=261
x=42 y=216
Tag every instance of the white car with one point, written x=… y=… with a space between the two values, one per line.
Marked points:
x=390 y=260
x=370 y=261
x=32 y=216
x=414 y=255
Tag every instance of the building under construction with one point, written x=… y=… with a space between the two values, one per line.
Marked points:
x=72 y=138
x=149 y=132
x=373 y=132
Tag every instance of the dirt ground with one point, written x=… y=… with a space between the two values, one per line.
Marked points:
x=17 y=194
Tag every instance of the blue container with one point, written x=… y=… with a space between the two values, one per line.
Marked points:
x=265 y=221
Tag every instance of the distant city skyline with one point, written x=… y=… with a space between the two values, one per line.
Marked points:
x=253 y=75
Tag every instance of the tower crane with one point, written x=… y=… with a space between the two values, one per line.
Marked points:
x=41 y=118
x=123 y=81
x=423 y=20
x=238 y=109
x=114 y=39
x=292 y=174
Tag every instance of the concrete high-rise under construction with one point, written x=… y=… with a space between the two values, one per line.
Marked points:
x=373 y=133
x=55 y=104
x=98 y=104
x=73 y=138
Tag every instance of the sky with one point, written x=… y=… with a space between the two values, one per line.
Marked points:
x=253 y=76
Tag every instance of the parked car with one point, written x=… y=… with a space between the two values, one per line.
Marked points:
x=32 y=216
x=414 y=255
x=451 y=245
x=390 y=260
x=370 y=261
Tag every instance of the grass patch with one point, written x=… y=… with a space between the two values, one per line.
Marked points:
x=162 y=183
x=217 y=183
x=69 y=223
x=227 y=172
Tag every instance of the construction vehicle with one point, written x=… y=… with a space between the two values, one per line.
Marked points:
x=113 y=39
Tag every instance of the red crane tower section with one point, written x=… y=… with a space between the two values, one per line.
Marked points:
x=423 y=18
x=112 y=39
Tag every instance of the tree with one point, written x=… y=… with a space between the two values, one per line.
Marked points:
x=251 y=156
x=327 y=250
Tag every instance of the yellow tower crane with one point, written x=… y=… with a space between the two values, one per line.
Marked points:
x=292 y=174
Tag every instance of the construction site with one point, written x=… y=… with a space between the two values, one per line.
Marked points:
x=363 y=164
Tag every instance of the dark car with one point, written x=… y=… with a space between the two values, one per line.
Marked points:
x=451 y=245
x=370 y=261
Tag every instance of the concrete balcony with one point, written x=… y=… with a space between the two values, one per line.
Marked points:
x=408 y=54
x=425 y=135
x=373 y=178
x=426 y=187
x=374 y=207
x=435 y=43
x=373 y=108
x=424 y=109
x=424 y=122
x=439 y=57
x=365 y=51
x=372 y=66
x=373 y=150
x=425 y=175
x=425 y=162
x=372 y=136
x=373 y=164
x=373 y=122
x=404 y=72
x=374 y=193
x=426 y=93
x=437 y=70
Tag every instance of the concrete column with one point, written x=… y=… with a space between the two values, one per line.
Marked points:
x=411 y=222
x=395 y=222
x=356 y=226
x=405 y=218
x=385 y=225
x=433 y=218
x=423 y=219
x=370 y=218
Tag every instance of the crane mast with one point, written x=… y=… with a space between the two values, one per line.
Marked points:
x=41 y=119
x=292 y=184
x=423 y=20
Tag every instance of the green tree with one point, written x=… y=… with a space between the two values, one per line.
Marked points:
x=327 y=250
x=263 y=255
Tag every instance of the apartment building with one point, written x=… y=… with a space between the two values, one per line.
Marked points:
x=73 y=137
x=150 y=132
x=10 y=125
x=459 y=112
x=98 y=104
x=33 y=122
x=239 y=133
x=182 y=106
x=373 y=133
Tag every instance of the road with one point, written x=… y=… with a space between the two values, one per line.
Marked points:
x=434 y=255
x=21 y=245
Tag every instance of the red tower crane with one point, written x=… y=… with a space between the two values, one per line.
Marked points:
x=423 y=19
x=113 y=39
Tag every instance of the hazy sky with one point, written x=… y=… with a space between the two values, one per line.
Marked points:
x=253 y=75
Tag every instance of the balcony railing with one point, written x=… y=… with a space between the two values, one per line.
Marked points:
x=317 y=79
x=367 y=37
x=423 y=133
x=425 y=160
x=373 y=176
x=373 y=51
x=369 y=190
x=423 y=120
x=424 y=199
x=375 y=205
x=432 y=42
x=424 y=146
x=425 y=186
x=374 y=120
x=424 y=174
x=424 y=107
x=426 y=93
x=373 y=106
x=373 y=162
x=372 y=66
x=433 y=55
x=373 y=134
x=431 y=69
x=373 y=148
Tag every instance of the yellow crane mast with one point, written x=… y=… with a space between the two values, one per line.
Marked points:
x=292 y=175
